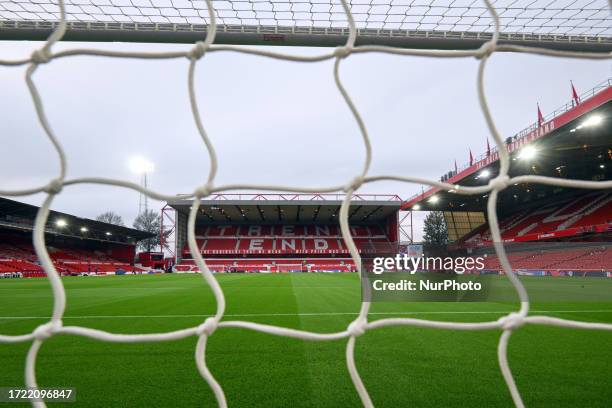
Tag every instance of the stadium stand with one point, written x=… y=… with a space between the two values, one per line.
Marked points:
x=296 y=234
x=76 y=246
x=271 y=265
x=586 y=259
x=67 y=260
x=575 y=216
x=551 y=229
x=285 y=239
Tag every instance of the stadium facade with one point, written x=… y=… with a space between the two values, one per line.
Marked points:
x=284 y=232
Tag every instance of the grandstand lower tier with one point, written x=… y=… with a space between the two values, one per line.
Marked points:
x=570 y=259
x=271 y=265
x=19 y=257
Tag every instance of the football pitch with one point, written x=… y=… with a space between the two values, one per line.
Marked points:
x=400 y=366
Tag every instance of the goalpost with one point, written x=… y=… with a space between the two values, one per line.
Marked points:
x=290 y=267
x=459 y=29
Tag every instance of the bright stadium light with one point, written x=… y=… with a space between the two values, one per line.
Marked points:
x=416 y=207
x=484 y=174
x=592 y=120
x=108 y=234
x=61 y=223
x=84 y=229
x=433 y=199
x=140 y=165
x=528 y=153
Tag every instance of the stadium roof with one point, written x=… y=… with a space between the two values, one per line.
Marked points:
x=573 y=143
x=20 y=216
x=290 y=208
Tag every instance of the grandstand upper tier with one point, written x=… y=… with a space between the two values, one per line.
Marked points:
x=76 y=245
x=572 y=143
x=572 y=24
x=275 y=231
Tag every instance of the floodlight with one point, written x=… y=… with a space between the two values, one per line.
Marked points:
x=528 y=152
x=84 y=229
x=416 y=207
x=61 y=223
x=602 y=166
x=592 y=120
x=108 y=234
x=140 y=165
x=434 y=199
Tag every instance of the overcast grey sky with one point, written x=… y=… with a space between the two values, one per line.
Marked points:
x=271 y=121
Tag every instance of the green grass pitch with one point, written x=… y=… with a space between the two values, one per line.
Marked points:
x=401 y=366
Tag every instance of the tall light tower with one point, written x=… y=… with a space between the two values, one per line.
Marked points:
x=142 y=167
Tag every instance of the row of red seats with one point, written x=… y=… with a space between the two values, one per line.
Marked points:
x=287 y=231
x=591 y=258
x=571 y=217
x=600 y=216
x=17 y=252
x=12 y=265
x=20 y=257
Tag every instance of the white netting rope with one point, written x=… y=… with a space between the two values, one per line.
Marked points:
x=570 y=17
x=360 y=325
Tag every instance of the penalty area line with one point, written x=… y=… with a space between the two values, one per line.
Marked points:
x=323 y=314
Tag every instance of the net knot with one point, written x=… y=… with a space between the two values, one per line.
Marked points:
x=208 y=327
x=486 y=50
x=54 y=187
x=203 y=191
x=41 y=56
x=357 y=327
x=354 y=184
x=44 y=331
x=512 y=321
x=342 y=52
x=499 y=183
x=198 y=50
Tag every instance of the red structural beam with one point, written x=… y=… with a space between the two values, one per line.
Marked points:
x=302 y=196
x=524 y=137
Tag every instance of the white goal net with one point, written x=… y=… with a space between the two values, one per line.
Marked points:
x=592 y=22
x=406 y=23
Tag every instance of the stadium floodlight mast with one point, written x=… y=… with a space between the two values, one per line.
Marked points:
x=142 y=166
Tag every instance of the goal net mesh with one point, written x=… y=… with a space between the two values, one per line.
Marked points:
x=575 y=17
x=487 y=16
